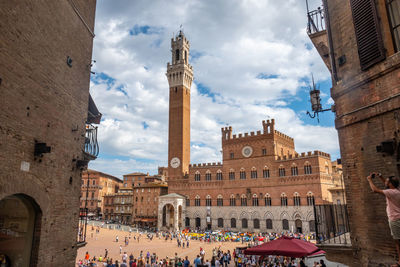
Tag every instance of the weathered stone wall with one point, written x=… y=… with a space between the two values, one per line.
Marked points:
x=43 y=99
x=275 y=213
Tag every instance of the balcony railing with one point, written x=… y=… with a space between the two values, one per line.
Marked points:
x=91 y=145
x=316 y=21
x=332 y=224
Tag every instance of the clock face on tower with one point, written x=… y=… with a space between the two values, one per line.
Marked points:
x=247 y=151
x=175 y=162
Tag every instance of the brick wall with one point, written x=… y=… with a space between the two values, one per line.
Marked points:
x=43 y=99
x=367 y=113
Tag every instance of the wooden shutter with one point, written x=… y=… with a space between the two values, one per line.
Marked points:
x=368 y=35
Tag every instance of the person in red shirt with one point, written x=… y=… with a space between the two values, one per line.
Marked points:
x=392 y=194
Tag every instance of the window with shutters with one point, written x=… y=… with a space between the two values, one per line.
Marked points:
x=368 y=35
x=197 y=176
x=253 y=174
x=393 y=8
x=187 y=202
x=231 y=175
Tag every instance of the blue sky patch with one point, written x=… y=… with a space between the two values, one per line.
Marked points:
x=204 y=90
x=309 y=46
x=195 y=55
x=101 y=77
x=144 y=29
x=121 y=88
x=266 y=76
x=145 y=125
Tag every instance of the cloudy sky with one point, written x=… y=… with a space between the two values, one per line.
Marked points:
x=252 y=61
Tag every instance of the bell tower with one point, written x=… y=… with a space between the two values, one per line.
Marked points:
x=180 y=77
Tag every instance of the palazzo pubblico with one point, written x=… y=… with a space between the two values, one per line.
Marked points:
x=262 y=184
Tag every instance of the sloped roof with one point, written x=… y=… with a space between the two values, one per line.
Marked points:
x=172 y=195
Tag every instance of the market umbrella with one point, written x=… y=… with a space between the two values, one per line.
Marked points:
x=284 y=246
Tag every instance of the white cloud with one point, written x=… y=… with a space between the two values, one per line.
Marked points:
x=233 y=42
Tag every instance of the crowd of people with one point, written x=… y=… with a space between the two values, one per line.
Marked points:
x=219 y=258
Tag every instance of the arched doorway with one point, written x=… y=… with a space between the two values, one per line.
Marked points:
x=20 y=219
x=299 y=226
x=168 y=216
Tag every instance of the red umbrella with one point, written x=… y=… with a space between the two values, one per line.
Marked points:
x=284 y=246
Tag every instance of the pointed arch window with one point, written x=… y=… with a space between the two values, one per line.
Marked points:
x=208 y=175
x=253 y=173
x=285 y=224
x=269 y=224
x=282 y=171
x=255 y=200
x=233 y=223
x=197 y=176
x=267 y=200
x=307 y=168
x=310 y=199
x=208 y=201
x=244 y=223
x=296 y=199
x=243 y=200
x=242 y=174
x=219 y=175
x=197 y=201
x=283 y=200
x=220 y=201
x=265 y=172
x=231 y=174
x=232 y=201
x=294 y=170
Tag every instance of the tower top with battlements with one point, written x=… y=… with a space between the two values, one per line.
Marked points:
x=179 y=71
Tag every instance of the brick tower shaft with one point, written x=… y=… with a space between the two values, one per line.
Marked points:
x=180 y=77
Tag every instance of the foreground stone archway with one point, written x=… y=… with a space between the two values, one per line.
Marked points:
x=171 y=212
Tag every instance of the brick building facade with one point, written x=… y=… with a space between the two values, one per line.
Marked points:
x=360 y=46
x=45 y=57
x=145 y=202
x=95 y=185
x=262 y=184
